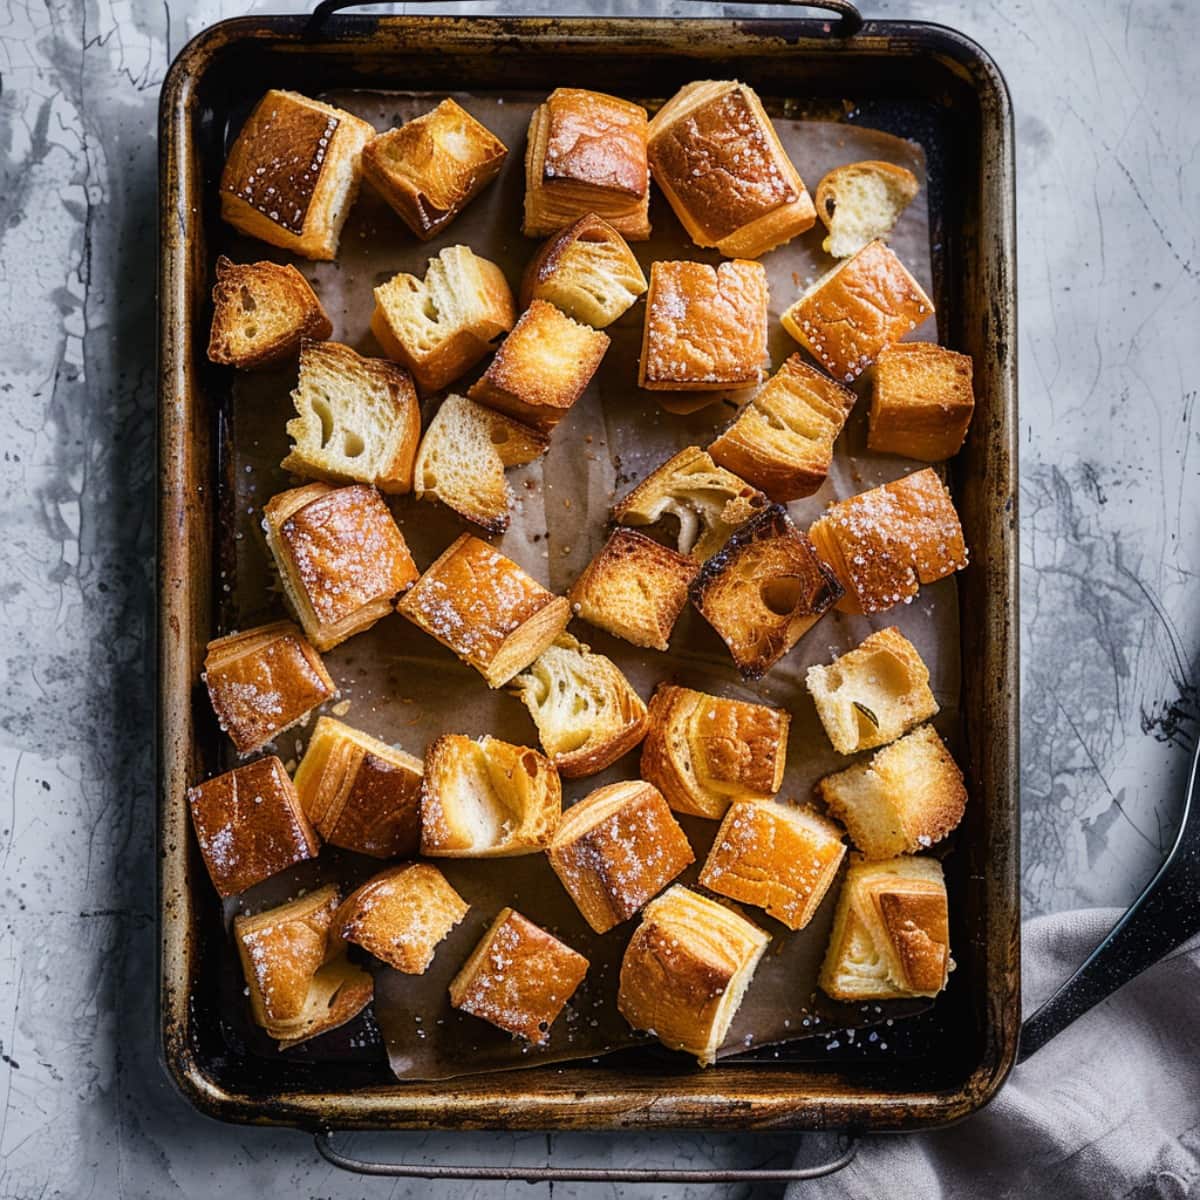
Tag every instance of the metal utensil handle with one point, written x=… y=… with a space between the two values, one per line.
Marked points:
x=323 y=1139
x=851 y=19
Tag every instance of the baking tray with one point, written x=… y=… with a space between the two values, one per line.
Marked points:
x=914 y=80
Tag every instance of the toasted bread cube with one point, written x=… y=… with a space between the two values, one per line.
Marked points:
x=486 y=799
x=891 y=932
x=708 y=502
x=782 y=440
x=720 y=164
x=430 y=168
x=587 y=270
x=861 y=202
x=341 y=558
x=780 y=857
x=586 y=153
x=703 y=752
x=360 y=793
x=706 y=327
x=400 y=915
x=261 y=313
x=299 y=980
x=907 y=797
x=439 y=327
x=686 y=969
x=519 y=978
x=250 y=825
x=587 y=715
x=616 y=849
x=884 y=543
x=293 y=172
x=873 y=693
x=541 y=368
x=463 y=456
x=764 y=591
x=481 y=605
x=262 y=681
x=359 y=420
x=922 y=402
x=635 y=589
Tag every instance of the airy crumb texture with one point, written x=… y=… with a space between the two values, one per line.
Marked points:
x=873 y=693
x=519 y=977
x=922 y=401
x=249 y=825
x=909 y=796
x=861 y=202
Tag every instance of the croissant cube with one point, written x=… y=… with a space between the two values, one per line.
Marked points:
x=430 y=168
x=782 y=440
x=484 y=608
x=703 y=752
x=779 y=857
x=293 y=172
x=907 y=797
x=715 y=153
x=859 y=202
x=519 y=978
x=299 y=980
x=587 y=153
x=262 y=681
x=360 y=793
x=884 y=543
x=873 y=693
x=616 y=849
x=340 y=556
x=686 y=969
x=854 y=311
x=764 y=591
x=922 y=401
x=587 y=715
x=891 y=932
x=486 y=798
x=635 y=589
x=401 y=915
x=250 y=825
x=705 y=327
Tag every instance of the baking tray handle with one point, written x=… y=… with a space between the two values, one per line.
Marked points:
x=847 y=1148
x=850 y=23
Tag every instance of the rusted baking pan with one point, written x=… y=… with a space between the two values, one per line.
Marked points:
x=916 y=81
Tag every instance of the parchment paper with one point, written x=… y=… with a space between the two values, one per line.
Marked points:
x=400 y=685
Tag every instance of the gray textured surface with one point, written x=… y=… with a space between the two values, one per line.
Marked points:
x=1105 y=95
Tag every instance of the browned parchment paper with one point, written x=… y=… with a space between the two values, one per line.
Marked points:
x=400 y=685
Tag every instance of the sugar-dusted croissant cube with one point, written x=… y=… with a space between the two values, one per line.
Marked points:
x=764 y=590
x=921 y=402
x=484 y=798
x=715 y=154
x=293 y=172
x=891 y=932
x=400 y=915
x=360 y=793
x=340 y=556
x=884 y=543
x=250 y=825
x=856 y=310
x=703 y=752
x=519 y=977
x=907 y=797
x=782 y=440
x=430 y=168
x=780 y=857
x=686 y=969
x=873 y=693
x=481 y=605
x=587 y=714
x=635 y=589
x=300 y=982
x=616 y=849
x=262 y=681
